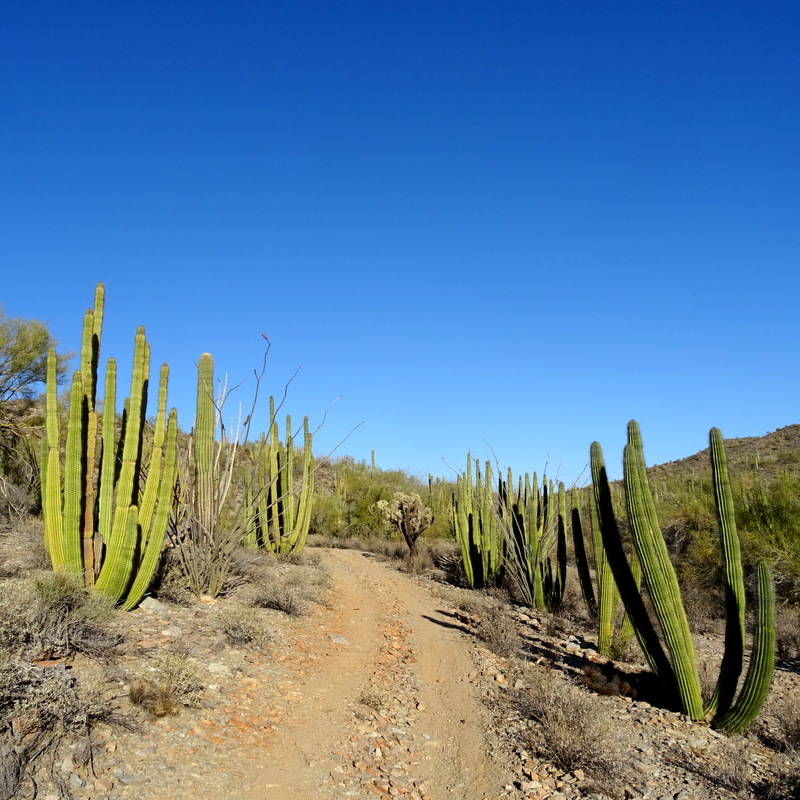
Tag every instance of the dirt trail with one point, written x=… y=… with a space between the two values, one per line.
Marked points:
x=388 y=708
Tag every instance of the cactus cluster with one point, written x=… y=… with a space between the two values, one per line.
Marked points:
x=105 y=516
x=476 y=526
x=279 y=487
x=676 y=666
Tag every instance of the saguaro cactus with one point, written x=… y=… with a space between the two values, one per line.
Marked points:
x=678 y=673
x=102 y=521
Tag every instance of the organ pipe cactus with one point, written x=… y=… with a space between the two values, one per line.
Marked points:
x=476 y=526
x=279 y=490
x=102 y=519
x=678 y=672
x=612 y=635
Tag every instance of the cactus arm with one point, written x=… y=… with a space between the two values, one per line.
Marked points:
x=152 y=484
x=155 y=540
x=661 y=580
x=629 y=591
x=733 y=577
x=53 y=516
x=108 y=457
x=762 y=661
x=115 y=574
x=203 y=439
x=74 y=478
x=581 y=562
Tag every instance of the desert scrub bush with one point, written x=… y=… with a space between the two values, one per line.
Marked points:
x=787 y=631
x=22 y=547
x=52 y=615
x=172 y=679
x=498 y=631
x=244 y=626
x=280 y=584
x=40 y=708
x=570 y=731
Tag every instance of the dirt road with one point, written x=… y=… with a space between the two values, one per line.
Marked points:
x=389 y=708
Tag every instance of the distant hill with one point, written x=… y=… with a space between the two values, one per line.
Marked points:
x=770 y=454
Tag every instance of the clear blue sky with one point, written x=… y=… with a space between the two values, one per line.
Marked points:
x=506 y=225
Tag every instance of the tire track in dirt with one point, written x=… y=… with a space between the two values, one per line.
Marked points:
x=388 y=710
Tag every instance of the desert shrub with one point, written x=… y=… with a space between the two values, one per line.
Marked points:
x=498 y=631
x=570 y=730
x=418 y=563
x=170 y=584
x=243 y=626
x=22 y=547
x=52 y=615
x=172 y=679
x=787 y=631
x=38 y=709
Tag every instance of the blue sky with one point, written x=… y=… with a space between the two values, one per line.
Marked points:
x=507 y=226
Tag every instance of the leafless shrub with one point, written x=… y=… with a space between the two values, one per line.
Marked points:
x=173 y=679
x=22 y=547
x=52 y=615
x=570 y=731
x=417 y=563
x=243 y=626
x=787 y=631
x=40 y=707
x=731 y=768
x=498 y=632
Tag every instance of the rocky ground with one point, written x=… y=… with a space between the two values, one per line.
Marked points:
x=390 y=689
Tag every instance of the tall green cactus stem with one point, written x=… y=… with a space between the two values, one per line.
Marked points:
x=105 y=523
x=620 y=578
x=279 y=492
x=733 y=577
x=476 y=526
x=679 y=675
x=660 y=575
x=581 y=561
x=203 y=443
x=762 y=661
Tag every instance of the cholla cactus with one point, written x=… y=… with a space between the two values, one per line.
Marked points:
x=409 y=515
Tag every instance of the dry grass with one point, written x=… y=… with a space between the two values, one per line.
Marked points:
x=570 y=730
x=22 y=547
x=51 y=615
x=40 y=708
x=172 y=679
x=787 y=631
x=291 y=585
x=244 y=626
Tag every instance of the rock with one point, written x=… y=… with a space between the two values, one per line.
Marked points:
x=152 y=606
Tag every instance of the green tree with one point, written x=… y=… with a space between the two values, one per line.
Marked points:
x=24 y=345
